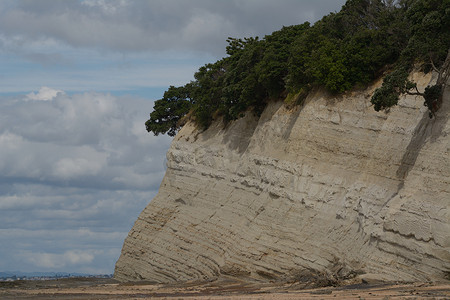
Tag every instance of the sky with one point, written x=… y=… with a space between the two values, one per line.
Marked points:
x=77 y=82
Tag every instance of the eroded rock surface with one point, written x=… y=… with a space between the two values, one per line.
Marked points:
x=330 y=186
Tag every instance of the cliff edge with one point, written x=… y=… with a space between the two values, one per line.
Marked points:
x=330 y=186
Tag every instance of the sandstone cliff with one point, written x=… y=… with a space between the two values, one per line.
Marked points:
x=330 y=186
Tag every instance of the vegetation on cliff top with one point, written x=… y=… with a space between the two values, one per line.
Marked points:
x=342 y=51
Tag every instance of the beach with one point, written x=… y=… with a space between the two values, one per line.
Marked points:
x=104 y=288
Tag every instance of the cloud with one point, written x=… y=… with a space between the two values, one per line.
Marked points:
x=57 y=261
x=88 y=139
x=199 y=25
x=75 y=172
x=45 y=93
x=68 y=168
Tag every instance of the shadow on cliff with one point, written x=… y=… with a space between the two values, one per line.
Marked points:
x=426 y=130
x=238 y=138
x=237 y=134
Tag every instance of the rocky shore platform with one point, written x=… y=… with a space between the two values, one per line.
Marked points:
x=225 y=288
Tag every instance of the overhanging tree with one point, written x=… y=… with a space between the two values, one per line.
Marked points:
x=428 y=46
x=168 y=111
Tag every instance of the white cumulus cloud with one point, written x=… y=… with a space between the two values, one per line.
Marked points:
x=45 y=93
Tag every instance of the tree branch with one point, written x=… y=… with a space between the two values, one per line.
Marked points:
x=417 y=90
x=415 y=93
x=432 y=65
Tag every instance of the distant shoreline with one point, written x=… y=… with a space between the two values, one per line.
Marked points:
x=15 y=276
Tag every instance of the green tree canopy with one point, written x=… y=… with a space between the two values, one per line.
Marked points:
x=428 y=45
x=168 y=111
x=341 y=51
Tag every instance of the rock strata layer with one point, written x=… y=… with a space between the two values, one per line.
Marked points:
x=330 y=187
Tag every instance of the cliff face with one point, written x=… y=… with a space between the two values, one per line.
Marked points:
x=330 y=186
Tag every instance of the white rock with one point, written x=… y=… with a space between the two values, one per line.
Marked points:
x=332 y=183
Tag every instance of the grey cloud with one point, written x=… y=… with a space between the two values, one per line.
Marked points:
x=93 y=222
x=75 y=172
x=86 y=139
x=79 y=250
x=199 y=25
x=41 y=207
x=51 y=222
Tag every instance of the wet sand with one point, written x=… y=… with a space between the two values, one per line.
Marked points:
x=92 y=288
